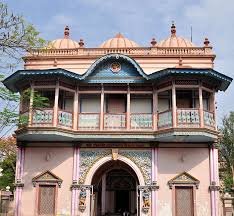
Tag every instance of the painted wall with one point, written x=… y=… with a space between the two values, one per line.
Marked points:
x=59 y=161
x=173 y=161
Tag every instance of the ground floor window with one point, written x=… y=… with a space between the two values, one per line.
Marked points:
x=184 y=203
x=46 y=200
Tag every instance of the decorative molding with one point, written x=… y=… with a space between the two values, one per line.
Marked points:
x=142 y=158
x=115 y=154
x=214 y=186
x=88 y=158
x=47 y=177
x=184 y=179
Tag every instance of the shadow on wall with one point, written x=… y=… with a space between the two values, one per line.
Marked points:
x=57 y=160
x=177 y=160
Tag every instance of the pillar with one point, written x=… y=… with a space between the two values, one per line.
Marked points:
x=174 y=114
x=154 y=179
x=56 y=99
x=74 y=181
x=30 y=114
x=75 y=110
x=19 y=179
x=103 y=194
x=128 y=109
x=155 y=109
x=201 y=113
x=102 y=109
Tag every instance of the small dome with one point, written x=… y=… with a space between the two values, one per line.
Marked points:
x=175 y=41
x=119 y=41
x=64 y=43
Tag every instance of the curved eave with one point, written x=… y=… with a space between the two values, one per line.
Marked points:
x=115 y=56
x=224 y=80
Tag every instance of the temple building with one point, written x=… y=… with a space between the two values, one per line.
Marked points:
x=128 y=128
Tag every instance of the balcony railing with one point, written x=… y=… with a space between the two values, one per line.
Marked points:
x=42 y=116
x=209 y=119
x=165 y=119
x=185 y=118
x=141 y=121
x=188 y=118
x=89 y=121
x=114 y=121
x=65 y=118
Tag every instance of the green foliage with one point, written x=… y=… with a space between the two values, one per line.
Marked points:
x=226 y=148
x=8 y=172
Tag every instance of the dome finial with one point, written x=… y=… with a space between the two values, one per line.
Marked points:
x=206 y=42
x=119 y=35
x=173 y=29
x=66 y=32
x=153 y=42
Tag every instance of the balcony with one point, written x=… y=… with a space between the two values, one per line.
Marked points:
x=125 y=111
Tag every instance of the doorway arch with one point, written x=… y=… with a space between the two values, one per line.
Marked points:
x=115 y=185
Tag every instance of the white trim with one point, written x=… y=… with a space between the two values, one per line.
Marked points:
x=106 y=159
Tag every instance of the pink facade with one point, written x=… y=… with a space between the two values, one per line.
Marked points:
x=128 y=129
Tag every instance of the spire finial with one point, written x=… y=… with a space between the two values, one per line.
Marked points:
x=66 y=32
x=153 y=42
x=206 y=42
x=173 y=29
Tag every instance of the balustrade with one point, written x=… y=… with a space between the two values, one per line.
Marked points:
x=141 y=121
x=209 y=119
x=65 y=118
x=165 y=119
x=188 y=118
x=88 y=121
x=42 y=116
x=114 y=121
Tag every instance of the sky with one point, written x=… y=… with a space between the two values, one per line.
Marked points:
x=140 y=20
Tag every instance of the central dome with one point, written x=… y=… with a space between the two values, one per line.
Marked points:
x=119 y=41
x=175 y=41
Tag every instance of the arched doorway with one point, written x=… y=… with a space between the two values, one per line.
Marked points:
x=115 y=184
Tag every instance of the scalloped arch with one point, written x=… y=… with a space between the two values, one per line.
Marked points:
x=114 y=56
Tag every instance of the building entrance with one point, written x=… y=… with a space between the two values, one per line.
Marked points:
x=115 y=186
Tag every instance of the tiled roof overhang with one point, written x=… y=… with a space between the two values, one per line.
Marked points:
x=22 y=75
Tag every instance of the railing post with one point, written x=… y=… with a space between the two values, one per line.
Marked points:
x=30 y=114
x=174 y=113
x=56 y=99
x=155 y=109
x=201 y=107
x=75 y=110
x=102 y=109
x=128 y=109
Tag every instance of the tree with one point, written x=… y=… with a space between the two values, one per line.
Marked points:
x=226 y=148
x=8 y=151
x=16 y=38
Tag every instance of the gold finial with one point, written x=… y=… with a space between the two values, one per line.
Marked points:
x=66 y=32
x=173 y=29
x=153 y=42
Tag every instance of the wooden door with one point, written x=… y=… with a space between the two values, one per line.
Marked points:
x=184 y=205
x=116 y=105
x=46 y=202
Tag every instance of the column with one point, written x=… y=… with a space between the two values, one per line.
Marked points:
x=55 y=118
x=19 y=180
x=30 y=114
x=128 y=109
x=213 y=177
x=104 y=194
x=75 y=110
x=216 y=179
x=214 y=108
x=73 y=202
x=174 y=112
x=102 y=109
x=201 y=107
x=155 y=109
x=154 y=179
x=77 y=175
